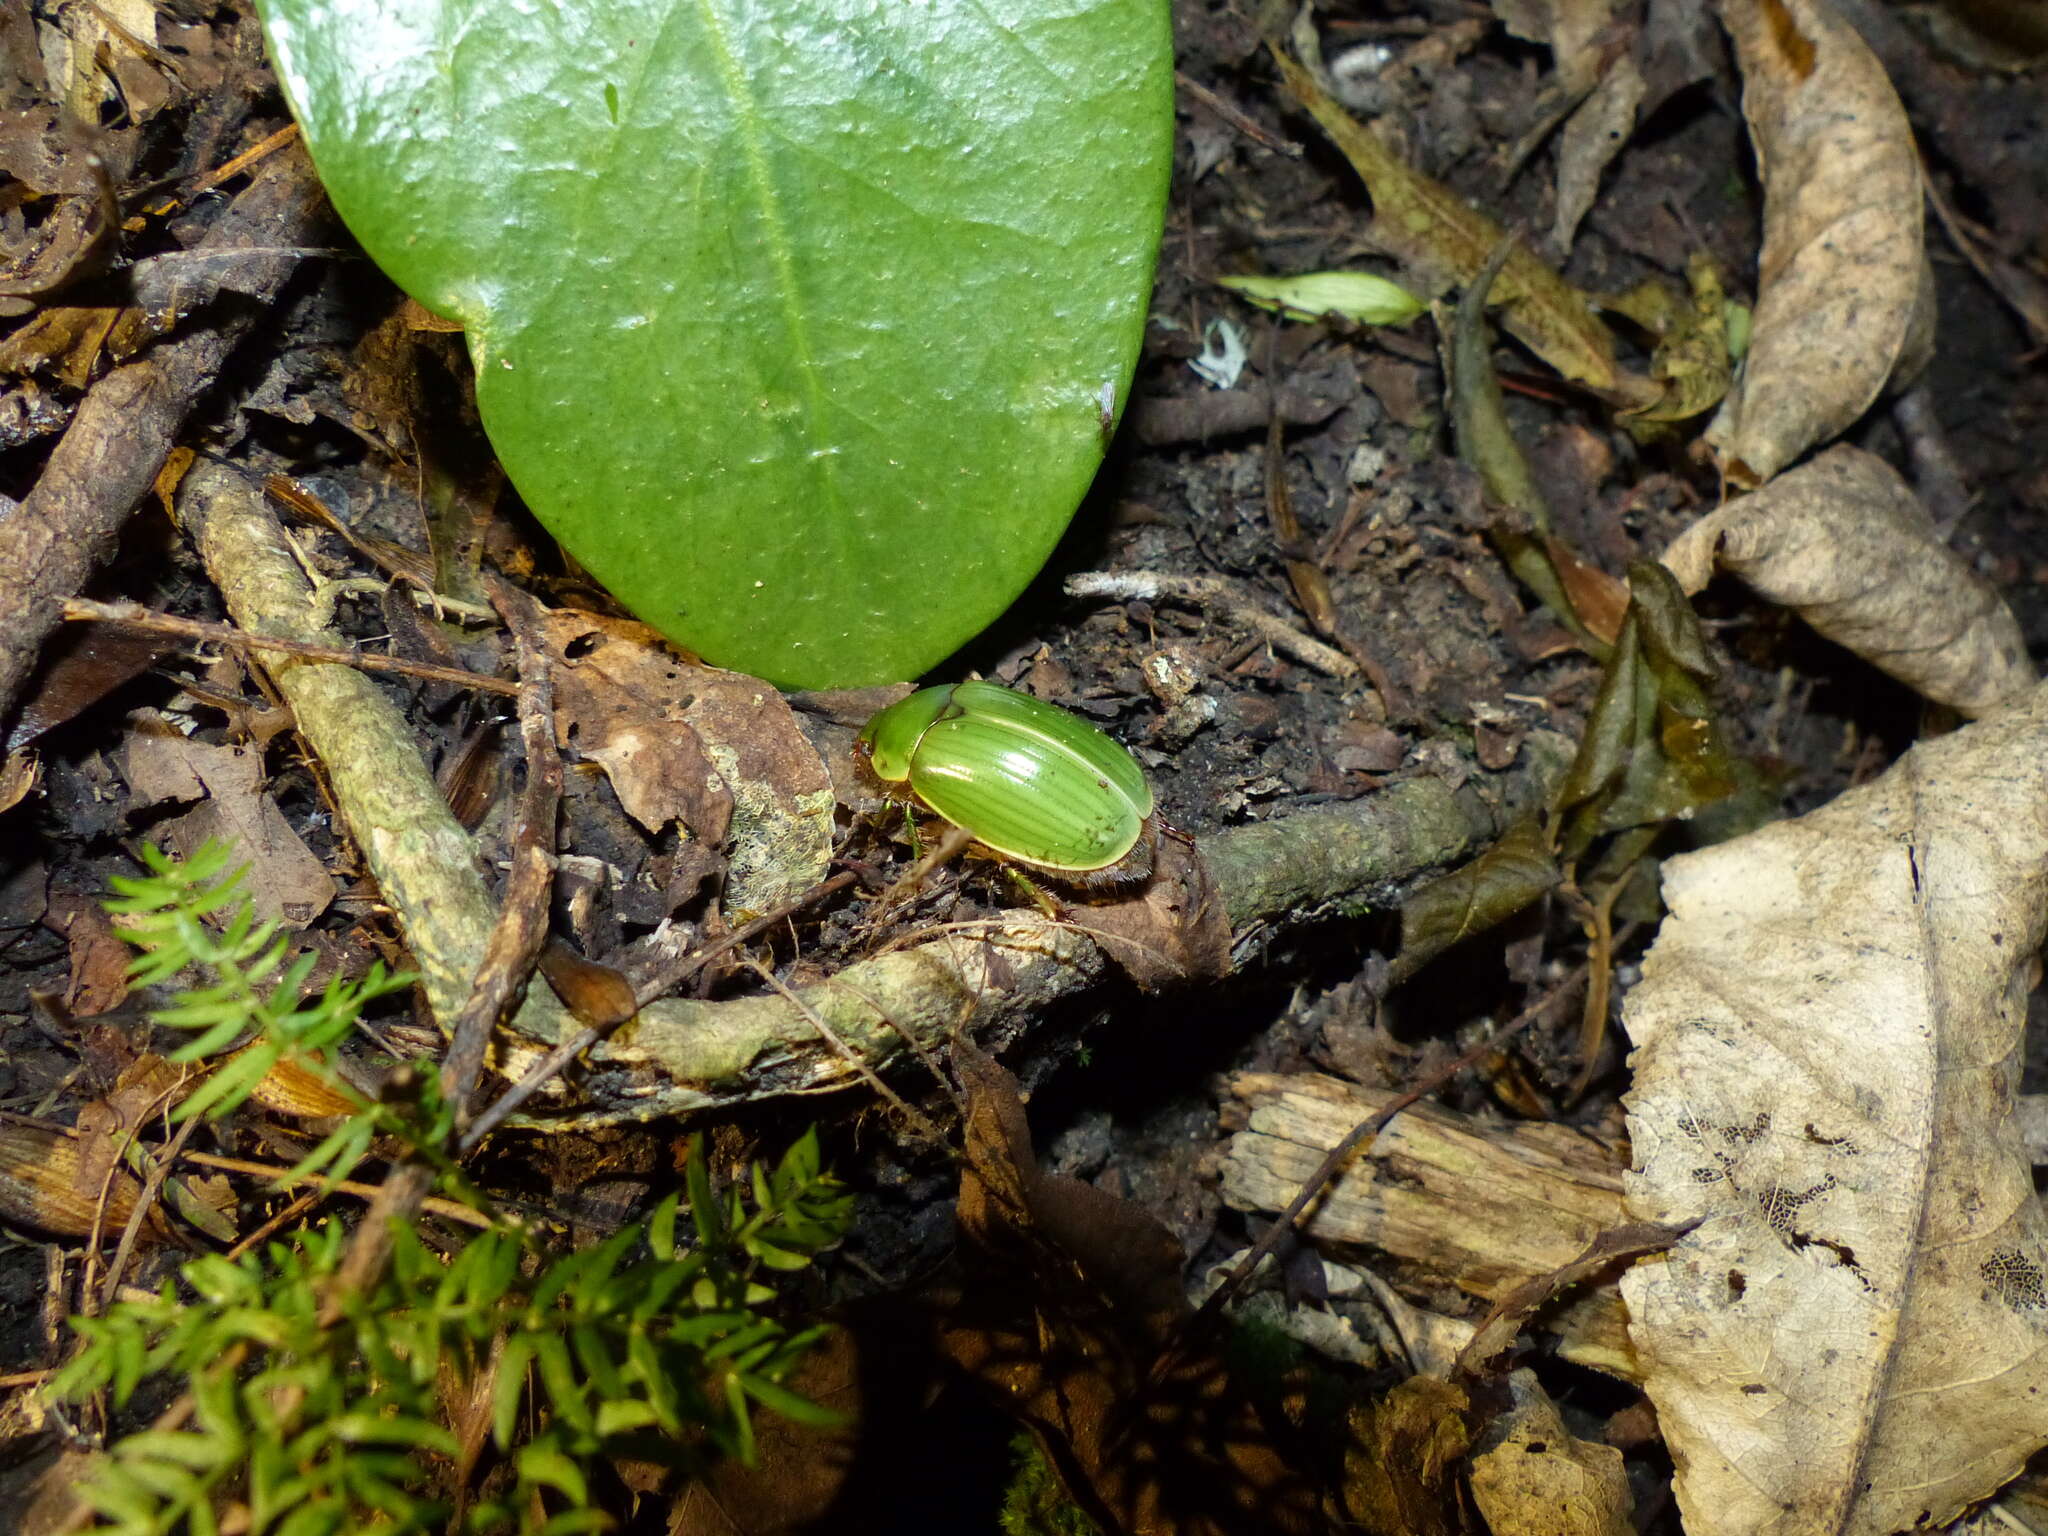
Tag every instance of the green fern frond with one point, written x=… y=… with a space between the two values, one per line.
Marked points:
x=306 y=1423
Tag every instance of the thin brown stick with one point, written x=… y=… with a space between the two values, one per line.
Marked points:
x=522 y=926
x=1236 y=116
x=664 y=981
x=852 y=1057
x=1998 y=274
x=290 y=1213
x=544 y=1070
x=160 y=1169
x=135 y=616
x=144 y=1201
x=451 y=1210
x=248 y=157
x=917 y=1048
x=1599 y=921
x=1217 y=594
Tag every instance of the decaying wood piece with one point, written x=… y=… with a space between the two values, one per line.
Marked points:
x=1828 y=1031
x=425 y=863
x=995 y=979
x=1480 y=1206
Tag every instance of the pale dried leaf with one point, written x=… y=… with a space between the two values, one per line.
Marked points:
x=1840 y=272
x=1568 y=28
x=286 y=880
x=1539 y=1479
x=1828 y=1031
x=717 y=749
x=1592 y=136
x=1845 y=543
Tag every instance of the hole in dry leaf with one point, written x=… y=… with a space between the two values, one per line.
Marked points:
x=2016 y=1279
x=1758 y=1127
x=1779 y=1205
x=1841 y=1144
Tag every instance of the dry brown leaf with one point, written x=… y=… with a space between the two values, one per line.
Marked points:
x=98 y=957
x=1445 y=240
x=619 y=697
x=1070 y=1314
x=1401 y=1466
x=1845 y=543
x=286 y=881
x=718 y=750
x=20 y=773
x=1839 y=277
x=1538 y=1479
x=81 y=665
x=1828 y=1038
x=1568 y=28
x=1592 y=136
x=1174 y=929
x=798 y=1480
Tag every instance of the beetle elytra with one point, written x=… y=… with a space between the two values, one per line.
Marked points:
x=1023 y=777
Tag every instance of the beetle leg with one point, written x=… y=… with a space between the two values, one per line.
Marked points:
x=1033 y=892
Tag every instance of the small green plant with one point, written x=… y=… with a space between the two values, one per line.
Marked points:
x=250 y=991
x=319 y=1404
x=1035 y=1504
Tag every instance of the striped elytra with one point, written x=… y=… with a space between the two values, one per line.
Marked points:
x=1025 y=778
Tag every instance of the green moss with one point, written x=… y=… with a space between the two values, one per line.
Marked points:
x=1035 y=1504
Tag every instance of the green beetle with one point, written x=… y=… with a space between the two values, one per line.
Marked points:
x=1025 y=778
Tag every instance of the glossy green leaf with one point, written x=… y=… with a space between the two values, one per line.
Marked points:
x=793 y=320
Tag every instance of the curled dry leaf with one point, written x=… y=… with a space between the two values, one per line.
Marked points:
x=717 y=750
x=1828 y=1033
x=1472 y=898
x=1840 y=275
x=1536 y=1478
x=1845 y=543
x=43 y=1185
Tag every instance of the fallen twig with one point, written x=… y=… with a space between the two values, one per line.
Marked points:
x=1215 y=594
x=135 y=616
